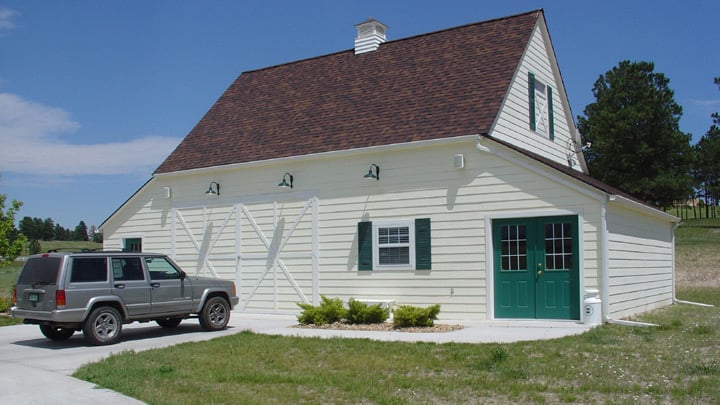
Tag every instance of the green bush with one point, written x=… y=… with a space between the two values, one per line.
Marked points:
x=5 y=303
x=362 y=313
x=331 y=310
x=408 y=316
x=34 y=247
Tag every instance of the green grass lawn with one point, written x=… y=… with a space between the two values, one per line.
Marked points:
x=677 y=362
x=68 y=245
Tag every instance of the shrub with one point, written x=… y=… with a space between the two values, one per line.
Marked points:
x=5 y=303
x=408 y=316
x=34 y=247
x=362 y=313
x=330 y=310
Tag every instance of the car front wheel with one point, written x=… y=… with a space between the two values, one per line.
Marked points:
x=56 y=333
x=103 y=326
x=215 y=315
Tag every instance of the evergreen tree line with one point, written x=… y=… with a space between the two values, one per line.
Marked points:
x=46 y=230
x=706 y=170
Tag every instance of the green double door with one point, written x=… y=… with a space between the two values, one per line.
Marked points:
x=536 y=268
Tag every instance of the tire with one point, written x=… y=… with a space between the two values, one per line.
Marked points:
x=169 y=322
x=56 y=333
x=215 y=315
x=103 y=326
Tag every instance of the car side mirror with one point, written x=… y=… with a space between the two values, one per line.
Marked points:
x=182 y=275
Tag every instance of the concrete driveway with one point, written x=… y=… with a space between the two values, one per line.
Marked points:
x=36 y=370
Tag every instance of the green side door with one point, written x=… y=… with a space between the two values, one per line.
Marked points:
x=536 y=268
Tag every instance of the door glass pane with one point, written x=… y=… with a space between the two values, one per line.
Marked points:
x=161 y=269
x=127 y=269
x=513 y=247
x=558 y=246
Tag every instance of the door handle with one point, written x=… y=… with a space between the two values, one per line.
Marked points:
x=539 y=271
x=155 y=285
x=120 y=286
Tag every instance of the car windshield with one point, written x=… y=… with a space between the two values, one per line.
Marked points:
x=40 y=270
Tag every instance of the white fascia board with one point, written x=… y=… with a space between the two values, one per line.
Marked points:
x=327 y=155
x=642 y=208
x=131 y=198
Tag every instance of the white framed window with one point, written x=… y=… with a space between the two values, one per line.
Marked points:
x=394 y=245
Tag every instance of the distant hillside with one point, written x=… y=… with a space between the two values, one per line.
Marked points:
x=697 y=253
x=68 y=245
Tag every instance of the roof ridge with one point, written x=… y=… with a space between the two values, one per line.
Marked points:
x=537 y=12
x=457 y=27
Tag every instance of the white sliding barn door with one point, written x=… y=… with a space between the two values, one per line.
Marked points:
x=269 y=248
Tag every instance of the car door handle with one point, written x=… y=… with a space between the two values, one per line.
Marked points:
x=155 y=285
x=120 y=286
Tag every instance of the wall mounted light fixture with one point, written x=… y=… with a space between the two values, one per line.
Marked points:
x=583 y=148
x=214 y=188
x=284 y=183
x=371 y=175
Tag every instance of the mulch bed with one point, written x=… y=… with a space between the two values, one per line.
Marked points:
x=382 y=327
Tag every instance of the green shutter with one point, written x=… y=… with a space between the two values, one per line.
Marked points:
x=531 y=99
x=365 y=246
x=423 y=257
x=551 y=123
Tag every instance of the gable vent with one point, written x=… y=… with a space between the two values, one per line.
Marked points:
x=370 y=34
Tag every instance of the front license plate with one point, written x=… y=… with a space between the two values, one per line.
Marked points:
x=33 y=297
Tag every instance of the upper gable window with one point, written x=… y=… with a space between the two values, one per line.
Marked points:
x=541 y=107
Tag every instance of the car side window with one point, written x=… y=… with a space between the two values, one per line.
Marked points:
x=127 y=269
x=161 y=269
x=89 y=269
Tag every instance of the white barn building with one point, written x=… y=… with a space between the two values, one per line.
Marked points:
x=443 y=168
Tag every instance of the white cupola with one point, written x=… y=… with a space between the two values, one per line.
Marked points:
x=370 y=34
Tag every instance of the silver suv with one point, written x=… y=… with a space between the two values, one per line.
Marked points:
x=98 y=292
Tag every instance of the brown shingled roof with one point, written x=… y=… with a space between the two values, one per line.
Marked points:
x=443 y=84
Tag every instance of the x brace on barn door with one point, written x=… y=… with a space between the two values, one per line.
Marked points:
x=274 y=246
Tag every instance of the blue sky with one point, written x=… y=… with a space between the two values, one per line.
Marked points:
x=95 y=94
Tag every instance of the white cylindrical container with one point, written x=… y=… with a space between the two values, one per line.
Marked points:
x=592 y=309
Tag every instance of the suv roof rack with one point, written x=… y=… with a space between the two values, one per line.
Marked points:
x=85 y=250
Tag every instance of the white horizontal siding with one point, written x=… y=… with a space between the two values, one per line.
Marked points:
x=513 y=123
x=414 y=183
x=640 y=261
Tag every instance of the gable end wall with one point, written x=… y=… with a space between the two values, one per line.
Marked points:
x=512 y=124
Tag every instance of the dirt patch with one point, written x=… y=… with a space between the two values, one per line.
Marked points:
x=698 y=266
x=383 y=327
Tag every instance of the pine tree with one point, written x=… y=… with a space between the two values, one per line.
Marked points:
x=633 y=126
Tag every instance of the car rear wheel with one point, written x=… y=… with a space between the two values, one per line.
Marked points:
x=103 y=326
x=215 y=315
x=169 y=322
x=56 y=333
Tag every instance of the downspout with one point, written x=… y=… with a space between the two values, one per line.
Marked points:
x=675 y=299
